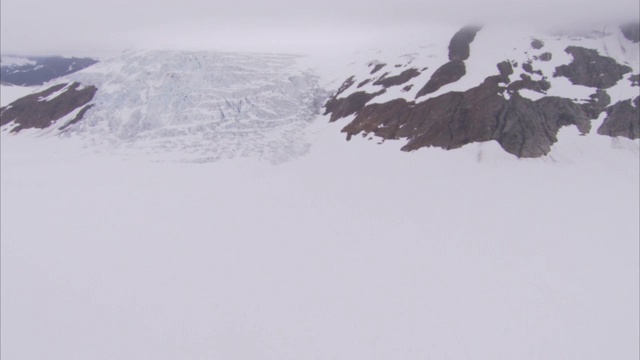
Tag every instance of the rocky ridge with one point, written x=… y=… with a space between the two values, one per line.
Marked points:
x=521 y=104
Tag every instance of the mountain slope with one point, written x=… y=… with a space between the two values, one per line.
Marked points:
x=37 y=70
x=517 y=89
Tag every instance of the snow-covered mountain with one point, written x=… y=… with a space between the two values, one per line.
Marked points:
x=517 y=88
x=37 y=70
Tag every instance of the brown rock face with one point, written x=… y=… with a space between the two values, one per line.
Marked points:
x=341 y=107
x=523 y=127
x=623 y=119
x=446 y=74
x=399 y=79
x=589 y=68
x=34 y=112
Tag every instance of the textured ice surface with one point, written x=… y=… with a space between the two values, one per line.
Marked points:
x=201 y=106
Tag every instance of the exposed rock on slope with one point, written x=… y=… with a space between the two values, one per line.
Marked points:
x=446 y=74
x=459 y=50
x=523 y=127
x=589 y=68
x=398 y=79
x=623 y=119
x=31 y=71
x=460 y=44
x=341 y=107
x=43 y=109
x=503 y=107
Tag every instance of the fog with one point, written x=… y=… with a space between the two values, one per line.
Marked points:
x=39 y=27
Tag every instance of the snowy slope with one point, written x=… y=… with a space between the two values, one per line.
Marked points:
x=492 y=45
x=11 y=93
x=354 y=251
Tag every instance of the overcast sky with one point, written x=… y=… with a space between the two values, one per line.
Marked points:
x=99 y=27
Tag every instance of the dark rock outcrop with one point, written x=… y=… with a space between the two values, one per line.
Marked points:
x=591 y=69
x=526 y=82
x=623 y=119
x=42 y=69
x=528 y=67
x=345 y=85
x=37 y=111
x=454 y=70
x=376 y=67
x=363 y=83
x=537 y=44
x=544 y=57
x=631 y=31
x=506 y=69
x=459 y=46
x=597 y=103
x=399 y=79
x=446 y=74
x=341 y=107
x=635 y=80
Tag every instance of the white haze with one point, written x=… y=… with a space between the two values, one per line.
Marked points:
x=104 y=27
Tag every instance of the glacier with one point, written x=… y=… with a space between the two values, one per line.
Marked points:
x=200 y=106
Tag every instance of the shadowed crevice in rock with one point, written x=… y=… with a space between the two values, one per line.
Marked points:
x=591 y=69
x=623 y=119
x=36 y=111
x=631 y=31
x=399 y=79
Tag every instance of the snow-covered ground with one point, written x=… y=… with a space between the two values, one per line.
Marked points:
x=11 y=93
x=354 y=251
